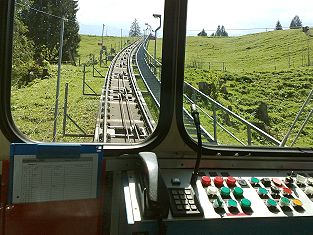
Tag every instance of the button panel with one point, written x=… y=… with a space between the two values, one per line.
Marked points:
x=184 y=202
x=237 y=193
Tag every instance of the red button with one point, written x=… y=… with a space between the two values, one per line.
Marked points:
x=206 y=181
x=277 y=181
x=231 y=181
x=218 y=181
x=287 y=191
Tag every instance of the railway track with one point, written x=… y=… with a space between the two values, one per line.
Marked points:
x=123 y=116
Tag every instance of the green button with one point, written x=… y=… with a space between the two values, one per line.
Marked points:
x=217 y=203
x=271 y=202
x=225 y=191
x=238 y=192
x=262 y=191
x=245 y=203
x=255 y=180
x=231 y=203
x=284 y=201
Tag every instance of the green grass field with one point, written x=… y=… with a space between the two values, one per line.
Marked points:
x=33 y=105
x=244 y=71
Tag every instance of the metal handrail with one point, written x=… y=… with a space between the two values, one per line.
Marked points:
x=215 y=104
x=214 y=119
x=248 y=124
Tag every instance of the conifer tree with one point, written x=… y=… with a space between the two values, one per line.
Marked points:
x=278 y=26
x=134 y=29
x=295 y=23
x=202 y=33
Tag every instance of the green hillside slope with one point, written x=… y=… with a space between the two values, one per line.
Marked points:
x=261 y=52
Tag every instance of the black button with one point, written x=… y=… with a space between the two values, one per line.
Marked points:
x=242 y=183
x=175 y=181
x=212 y=173
x=266 y=182
x=275 y=189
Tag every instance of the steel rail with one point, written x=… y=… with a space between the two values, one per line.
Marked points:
x=121 y=112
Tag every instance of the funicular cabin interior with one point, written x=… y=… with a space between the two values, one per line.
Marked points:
x=169 y=131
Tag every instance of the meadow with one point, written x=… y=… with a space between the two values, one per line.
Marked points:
x=273 y=68
x=270 y=68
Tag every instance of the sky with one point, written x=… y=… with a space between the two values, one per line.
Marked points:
x=207 y=14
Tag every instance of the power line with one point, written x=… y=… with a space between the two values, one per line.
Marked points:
x=44 y=12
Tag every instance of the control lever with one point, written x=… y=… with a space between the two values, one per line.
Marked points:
x=195 y=115
x=153 y=192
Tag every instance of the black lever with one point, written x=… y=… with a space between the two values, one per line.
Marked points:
x=195 y=115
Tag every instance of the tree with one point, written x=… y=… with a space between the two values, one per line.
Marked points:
x=278 y=26
x=44 y=26
x=134 y=29
x=23 y=51
x=223 y=32
x=203 y=33
x=295 y=23
x=220 y=32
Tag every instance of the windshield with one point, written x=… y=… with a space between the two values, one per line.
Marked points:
x=81 y=71
x=249 y=71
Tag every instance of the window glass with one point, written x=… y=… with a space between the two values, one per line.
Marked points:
x=82 y=70
x=249 y=71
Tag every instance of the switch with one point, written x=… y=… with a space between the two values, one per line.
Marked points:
x=212 y=191
x=218 y=181
x=300 y=179
x=206 y=181
x=217 y=203
x=284 y=202
x=287 y=192
x=238 y=192
x=225 y=192
x=296 y=203
x=266 y=182
x=175 y=181
x=310 y=181
x=245 y=203
x=275 y=190
x=231 y=181
x=231 y=203
x=262 y=192
x=289 y=180
x=254 y=181
x=277 y=181
x=308 y=190
x=271 y=203
x=242 y=183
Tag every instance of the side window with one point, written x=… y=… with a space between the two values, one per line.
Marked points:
x=87 y=71
x=249 y=71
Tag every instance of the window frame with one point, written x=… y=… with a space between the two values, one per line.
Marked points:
x=169 y=48
x=237 y=152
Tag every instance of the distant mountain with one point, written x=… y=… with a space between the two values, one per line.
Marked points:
x=97 y=30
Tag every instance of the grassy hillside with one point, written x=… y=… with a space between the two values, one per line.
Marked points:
x=33 y=105
x=245 y=71
x=260 y=68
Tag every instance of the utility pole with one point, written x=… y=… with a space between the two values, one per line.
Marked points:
x=155 y=42
x=121 y=39
x=102 y=47
x=56 y=111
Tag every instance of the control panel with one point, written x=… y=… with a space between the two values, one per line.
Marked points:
x=227 y=194
x=234 y=193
